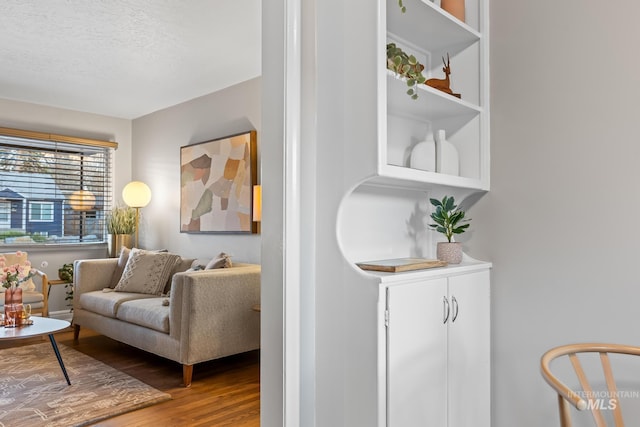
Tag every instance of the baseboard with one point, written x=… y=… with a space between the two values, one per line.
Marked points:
x=61 y=314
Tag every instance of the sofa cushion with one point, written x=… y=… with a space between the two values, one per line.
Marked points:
x=122 y=262
x=147 y=272
x=147 y=312
x=107 y=303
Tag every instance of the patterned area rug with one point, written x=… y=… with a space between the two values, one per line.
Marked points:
x=33 y=391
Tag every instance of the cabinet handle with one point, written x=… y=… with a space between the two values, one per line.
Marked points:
x=445 y=308
x=454 y=303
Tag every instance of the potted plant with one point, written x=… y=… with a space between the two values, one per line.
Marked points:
x=449 y=220
x=406 y=66
x=121 y=224
x=66 y=273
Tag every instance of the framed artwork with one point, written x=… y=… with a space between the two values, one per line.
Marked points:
x=216 y=185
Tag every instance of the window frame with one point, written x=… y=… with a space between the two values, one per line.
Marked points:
x=41 y=203
x=59 y=213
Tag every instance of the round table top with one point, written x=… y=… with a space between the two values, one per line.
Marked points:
x=41 y=326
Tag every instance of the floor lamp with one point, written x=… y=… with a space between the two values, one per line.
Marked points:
x=136 y=194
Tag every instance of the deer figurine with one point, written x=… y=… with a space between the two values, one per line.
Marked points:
x=443 y=84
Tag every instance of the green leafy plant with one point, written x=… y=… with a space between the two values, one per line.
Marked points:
x=406 y=66
x=449 y=219
x=121 y=221
x=66 y=272
x=401 y=6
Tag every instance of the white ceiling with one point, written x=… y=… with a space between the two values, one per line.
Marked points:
x=125 y=58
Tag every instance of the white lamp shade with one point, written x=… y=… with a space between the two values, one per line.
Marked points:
x=82 y=200
x=136 y=194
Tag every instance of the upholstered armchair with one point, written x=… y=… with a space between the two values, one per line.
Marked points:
x=34 y=290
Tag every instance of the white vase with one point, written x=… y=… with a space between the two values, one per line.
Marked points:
x=446 y=155
x=423 y=155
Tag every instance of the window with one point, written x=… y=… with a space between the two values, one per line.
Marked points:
x=40 y=211
x=5 y=215
x=54 y=189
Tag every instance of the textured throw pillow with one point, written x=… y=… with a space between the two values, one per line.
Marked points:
x=221 y=261
x=146 y=272
x=12 y=259
x=122 y=261
x=182 y=265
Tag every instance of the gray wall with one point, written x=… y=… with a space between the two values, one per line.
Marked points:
x=23 y=115
x=157 y=139
x=559 y=222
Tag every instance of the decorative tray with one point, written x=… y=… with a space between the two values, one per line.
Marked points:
x=24 y=322
x=398 y=265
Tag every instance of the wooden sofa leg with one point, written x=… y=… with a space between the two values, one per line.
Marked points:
x=187 y=374
x=76 y=333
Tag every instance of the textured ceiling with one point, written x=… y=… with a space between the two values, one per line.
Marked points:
x=125 y=58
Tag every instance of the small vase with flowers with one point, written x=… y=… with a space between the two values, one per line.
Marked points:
x=11 y=276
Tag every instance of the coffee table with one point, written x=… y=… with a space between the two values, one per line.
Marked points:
x=41 y=326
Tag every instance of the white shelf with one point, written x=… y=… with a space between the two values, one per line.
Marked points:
x=427 y=25
x=404 y=177
x=432 y=104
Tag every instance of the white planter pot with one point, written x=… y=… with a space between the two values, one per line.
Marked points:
x=449 y=252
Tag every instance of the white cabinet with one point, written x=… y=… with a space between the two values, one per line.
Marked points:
x=438 y=348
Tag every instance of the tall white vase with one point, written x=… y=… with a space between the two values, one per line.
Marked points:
x=423 y=155
x=447 y=161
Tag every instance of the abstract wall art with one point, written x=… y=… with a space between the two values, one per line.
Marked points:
x=217 y=179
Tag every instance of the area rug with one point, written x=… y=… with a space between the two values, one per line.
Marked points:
x=33 y=391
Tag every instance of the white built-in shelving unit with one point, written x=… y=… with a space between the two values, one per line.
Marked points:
x=385 y=212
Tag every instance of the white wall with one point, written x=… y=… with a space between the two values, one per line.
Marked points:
x=559 y=222
x=157 y=140
x=22 y=115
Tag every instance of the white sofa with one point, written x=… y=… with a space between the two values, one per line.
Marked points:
x=209 y=313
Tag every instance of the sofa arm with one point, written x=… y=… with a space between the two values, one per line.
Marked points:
x=211 y=312
x=92 y=274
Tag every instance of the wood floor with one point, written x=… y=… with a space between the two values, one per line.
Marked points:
x=225 y=392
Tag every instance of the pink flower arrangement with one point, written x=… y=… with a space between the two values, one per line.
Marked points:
x=12 y=275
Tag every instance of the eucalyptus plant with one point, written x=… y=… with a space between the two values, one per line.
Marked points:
x=405 y=66
x=402 y=8
x=448 y=216
x=121 y=220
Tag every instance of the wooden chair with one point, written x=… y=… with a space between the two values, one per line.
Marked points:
x=566 y=395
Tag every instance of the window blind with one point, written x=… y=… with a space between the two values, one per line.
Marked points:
x=53 y=189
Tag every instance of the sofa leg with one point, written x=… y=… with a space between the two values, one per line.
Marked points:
x=187 y=374
x=76 y=333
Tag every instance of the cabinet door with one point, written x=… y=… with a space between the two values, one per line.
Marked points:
x=469 y=351
x=417 y=354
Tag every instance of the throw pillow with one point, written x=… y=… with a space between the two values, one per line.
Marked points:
x=182 y=265
x=122 y=262
x=146 y=272
x=12 y=259
x=221 y=261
